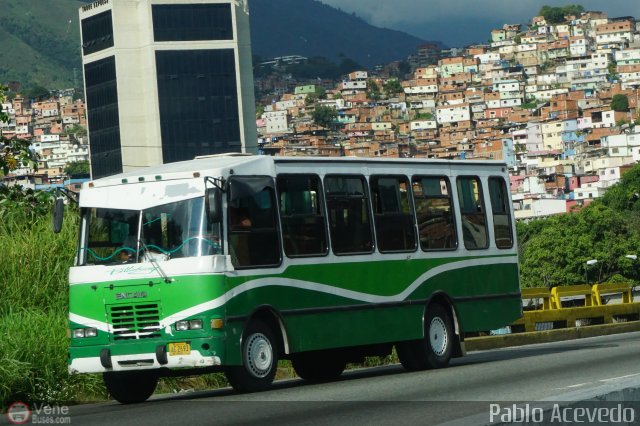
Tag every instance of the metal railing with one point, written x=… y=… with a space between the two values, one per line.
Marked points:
x=575 y=306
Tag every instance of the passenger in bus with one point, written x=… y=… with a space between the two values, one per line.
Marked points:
x=240 y=218
x=240 y=224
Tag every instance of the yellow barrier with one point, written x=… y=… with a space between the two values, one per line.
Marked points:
x=600 y=289
x=557 y=293
x=553 y=315
x=538 y=293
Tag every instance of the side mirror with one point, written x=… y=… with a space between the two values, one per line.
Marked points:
x=213 y=205
x=58 y=215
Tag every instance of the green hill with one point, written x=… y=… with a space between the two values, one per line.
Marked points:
x=40 y=39
x=40 y=42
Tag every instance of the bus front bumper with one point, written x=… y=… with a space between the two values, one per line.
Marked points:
x=80 y=363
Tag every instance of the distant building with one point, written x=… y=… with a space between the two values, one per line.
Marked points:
x=166 y=81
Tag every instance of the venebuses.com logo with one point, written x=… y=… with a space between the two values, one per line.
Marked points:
x=20 y=413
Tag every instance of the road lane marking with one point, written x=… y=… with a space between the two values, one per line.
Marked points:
x=618 y=378
x=573 y=386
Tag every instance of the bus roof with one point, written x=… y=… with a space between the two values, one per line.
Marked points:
x=216 y=165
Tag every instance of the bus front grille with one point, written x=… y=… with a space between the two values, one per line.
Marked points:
x=136 y=321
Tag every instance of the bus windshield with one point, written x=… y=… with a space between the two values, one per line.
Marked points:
x=168 y=231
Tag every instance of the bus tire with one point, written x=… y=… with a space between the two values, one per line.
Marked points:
x=439 y=336
x=130 y=387
x=318 y=367
x=436 y=349
x=259 y=360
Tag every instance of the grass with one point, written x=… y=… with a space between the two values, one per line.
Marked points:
x=33 y=312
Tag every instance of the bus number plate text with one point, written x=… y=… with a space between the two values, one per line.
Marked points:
x=181 y=348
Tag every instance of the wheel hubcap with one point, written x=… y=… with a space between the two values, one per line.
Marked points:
x=438 y=336
x=259 y=355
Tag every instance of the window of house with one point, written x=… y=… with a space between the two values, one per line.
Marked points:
x=348 y=212
x=501 y=215
x=254 y=240
x=434 y=212
x=392 y=213
x=302 y=216
x=473 y=213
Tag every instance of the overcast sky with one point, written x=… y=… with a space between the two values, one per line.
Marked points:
x=460 y=22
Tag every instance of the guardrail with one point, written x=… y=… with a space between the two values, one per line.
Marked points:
x=557 y=309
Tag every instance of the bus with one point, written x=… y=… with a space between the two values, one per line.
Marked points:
x=230 y=263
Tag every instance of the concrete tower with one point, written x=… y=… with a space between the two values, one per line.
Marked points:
x=166 y=80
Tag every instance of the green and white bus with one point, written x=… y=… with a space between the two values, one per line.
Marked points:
x=232 y=262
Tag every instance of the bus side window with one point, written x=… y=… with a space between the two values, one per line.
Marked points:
x=348 y=211
x=472 y=212
x=501 y=213
x=434 y=211
x=393 y=216
x=301 y=215
x=254 y=239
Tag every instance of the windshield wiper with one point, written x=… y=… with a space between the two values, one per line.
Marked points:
x=154 y=262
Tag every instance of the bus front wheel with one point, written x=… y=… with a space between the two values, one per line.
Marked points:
x=436 y=349
x=259 y=360
x=129 y=387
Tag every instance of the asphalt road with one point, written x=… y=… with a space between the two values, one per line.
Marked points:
x=561 y=371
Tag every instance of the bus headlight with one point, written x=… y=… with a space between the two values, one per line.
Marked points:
x=182 y=325
x=80 y=333
x=188 y=325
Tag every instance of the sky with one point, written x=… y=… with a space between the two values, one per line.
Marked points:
x=460 y=22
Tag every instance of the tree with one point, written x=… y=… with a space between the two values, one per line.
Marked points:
x=392 y=86
x=14 y=152
x=77 y=168
x=555 y=251
x=373 y=91
x=320 y=92
x=4 y=117
x=324 y=116
x=625 y=195
x=620 y=103
x=310 y=99
x=612 y=69
x=75 y=130
x=38 y=92
x=555 y=15
x=348 y=65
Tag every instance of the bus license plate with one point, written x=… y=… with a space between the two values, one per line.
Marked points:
x=181 y=348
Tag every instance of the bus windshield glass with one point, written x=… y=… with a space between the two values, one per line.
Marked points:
x=169 y=231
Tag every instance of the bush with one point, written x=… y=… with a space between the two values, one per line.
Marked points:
x=33 y=369
x=34 y=267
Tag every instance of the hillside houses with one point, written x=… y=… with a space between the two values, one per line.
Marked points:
x=55 y=128
x=537 y=98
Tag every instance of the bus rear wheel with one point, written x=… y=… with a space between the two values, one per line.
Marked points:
x=259 y=360
x=318 y=366
x=129 y=387
x=436 y=349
